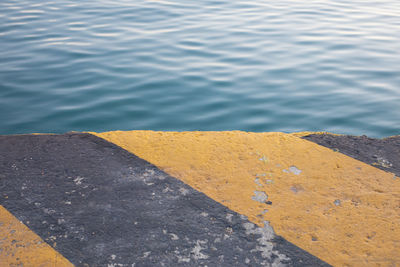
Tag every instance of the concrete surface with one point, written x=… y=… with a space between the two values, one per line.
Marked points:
x=144 y=198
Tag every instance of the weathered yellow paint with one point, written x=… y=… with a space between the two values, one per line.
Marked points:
x=339 y=209
x=19 y=246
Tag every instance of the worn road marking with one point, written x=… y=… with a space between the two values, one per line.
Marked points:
x=19 y=246
x=337 y=208
x=104 y=206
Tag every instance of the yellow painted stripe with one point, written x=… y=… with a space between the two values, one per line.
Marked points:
x=19 y=246
x=339 y=209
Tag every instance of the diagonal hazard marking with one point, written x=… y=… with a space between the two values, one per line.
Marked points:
x=19 y=246
x=106 y=207
x=337 y=208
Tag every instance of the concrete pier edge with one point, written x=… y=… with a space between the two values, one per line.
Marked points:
x=145 y=198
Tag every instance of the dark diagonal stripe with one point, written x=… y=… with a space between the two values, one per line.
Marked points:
x=99 y=205
x=381 y=153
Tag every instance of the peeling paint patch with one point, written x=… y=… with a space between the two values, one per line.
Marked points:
x=265 y=239
x=260 y=196
x=181 y=258
x=382 y=162
x=196 y=251
x=293 y=169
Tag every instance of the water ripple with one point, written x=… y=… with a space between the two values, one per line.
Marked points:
x=204 y=65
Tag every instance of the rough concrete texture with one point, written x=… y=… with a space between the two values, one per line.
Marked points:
x=99 y=205
x=339 y=209
x=381 y=153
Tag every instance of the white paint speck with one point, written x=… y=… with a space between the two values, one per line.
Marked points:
x=181 y=258
x=78 y=180
x=167 y=189
x=183 y=191
x=174 y=236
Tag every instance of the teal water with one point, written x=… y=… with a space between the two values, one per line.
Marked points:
x=256 y=65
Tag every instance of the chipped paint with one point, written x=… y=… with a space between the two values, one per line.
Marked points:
x=265 y=246
x=196 y=251
x=121 y=198
x=294 y=170
x=383 y=163
x=260 y=196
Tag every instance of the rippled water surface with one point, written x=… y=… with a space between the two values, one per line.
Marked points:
x=200 y=65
